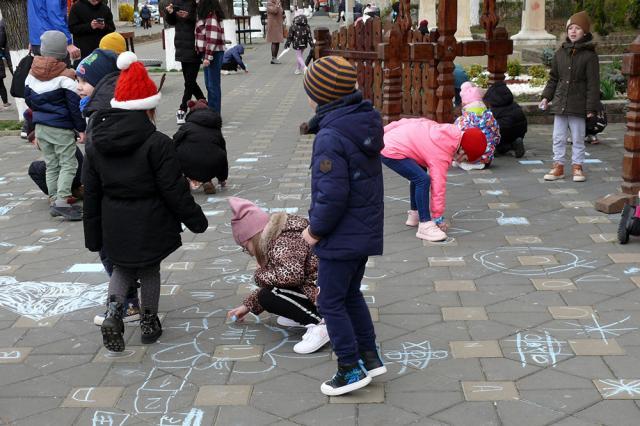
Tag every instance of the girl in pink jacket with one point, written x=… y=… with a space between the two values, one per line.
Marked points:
x=413 y=146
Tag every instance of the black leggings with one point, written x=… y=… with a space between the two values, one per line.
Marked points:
x=274 y=50
x=191 y=89
x=289 y=303
x=3 y=90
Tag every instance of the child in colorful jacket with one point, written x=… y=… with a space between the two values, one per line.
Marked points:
x=299 y=38
x=286 y=274
x=476 y=114
x=411 y=146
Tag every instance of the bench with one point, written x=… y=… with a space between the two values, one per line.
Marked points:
x=243 y=27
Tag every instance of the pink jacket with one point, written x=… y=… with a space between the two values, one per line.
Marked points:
x=431 y=145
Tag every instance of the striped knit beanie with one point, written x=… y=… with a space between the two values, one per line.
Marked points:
x=330 y=78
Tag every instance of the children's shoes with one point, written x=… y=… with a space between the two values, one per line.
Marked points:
x=348 y=378
x=430 y=231
x=412 y=218
x=315 y=338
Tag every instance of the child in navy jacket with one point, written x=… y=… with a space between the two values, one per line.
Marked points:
x=346 y=215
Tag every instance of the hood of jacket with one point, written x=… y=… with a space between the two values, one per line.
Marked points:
x=586 y=42
x=355 y=119
x=205 y=117
x=498 y=95
x=279 y=223
x=118 y=131
x=103 y=93
x=45 y=68
x=300 y=21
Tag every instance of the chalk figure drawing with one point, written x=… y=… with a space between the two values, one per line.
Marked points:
x=416 y=355
x=504 y=259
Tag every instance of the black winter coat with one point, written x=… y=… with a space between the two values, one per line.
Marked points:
x=299 y=36
x=80 y=16
x=100 y=100
x=201 y=148
x=574 y=80
x=185 y=39
x=135 y=194
x=510 y=117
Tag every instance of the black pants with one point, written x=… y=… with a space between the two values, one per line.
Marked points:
x=289 y=303
x=508 y=135
x=232 y=65
x=3 y=90
x=191 y=89
x=38 y=173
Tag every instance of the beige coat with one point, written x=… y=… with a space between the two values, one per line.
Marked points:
x=275 y=26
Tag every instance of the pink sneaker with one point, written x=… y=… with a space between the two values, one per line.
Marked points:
x=412 y=218
x=429 y=231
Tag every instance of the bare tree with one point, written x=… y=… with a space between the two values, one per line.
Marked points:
x=253 y=6
x=227 y=8
x=14 y=13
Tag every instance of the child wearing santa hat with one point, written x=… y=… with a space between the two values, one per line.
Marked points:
x=135 y=199
x=286 y=274
x=476 y=114
x=413 y=145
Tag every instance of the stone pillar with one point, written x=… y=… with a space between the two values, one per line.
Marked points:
x=533 y=31
x=475 y=12
x=427 y=10
x=170 y=62
x=348 y=11
x=464 y=21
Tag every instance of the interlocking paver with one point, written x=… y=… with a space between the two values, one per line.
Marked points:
x=489 y=391
x=475 y=349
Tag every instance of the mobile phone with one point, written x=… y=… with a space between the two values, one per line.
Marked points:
x=100 y=20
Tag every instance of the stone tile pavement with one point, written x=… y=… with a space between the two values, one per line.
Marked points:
x=528 y=314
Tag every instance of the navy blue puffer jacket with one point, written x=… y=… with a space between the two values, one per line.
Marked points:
x=347 y=210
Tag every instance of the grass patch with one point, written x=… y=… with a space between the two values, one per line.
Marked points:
x=10 y=125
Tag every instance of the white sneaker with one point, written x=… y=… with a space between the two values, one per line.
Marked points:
x=286 y=322
x=297 y=72
x=224 y=72
x=315 y=338
x=180 y=116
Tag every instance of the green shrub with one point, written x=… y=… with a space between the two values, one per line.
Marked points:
x=608 y=89
x=546 y=57
x=125 y=12
x=474 y=71
x=538 y=71
x=538 y=82
x=482 y=81
x=514 y=68
x=634 y=14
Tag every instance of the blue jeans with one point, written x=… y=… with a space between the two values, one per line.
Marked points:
x=344 y=309
x=418 y=188
x=212 y=81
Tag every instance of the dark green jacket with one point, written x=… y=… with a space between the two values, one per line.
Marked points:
x=574 y=81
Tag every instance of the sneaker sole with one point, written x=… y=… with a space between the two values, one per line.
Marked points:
x=431 y=240
x=98 y=319
x=582 y=179
x=112 y=338
x=150 y=340
x=377 y=372
x=329 y=391
x=551 y=179
x=312 y=349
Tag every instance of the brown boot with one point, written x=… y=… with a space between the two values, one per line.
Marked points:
x=209 y=188
x=557 y=172
x=578 y=174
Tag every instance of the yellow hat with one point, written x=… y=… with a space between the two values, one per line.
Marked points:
x=114 y=42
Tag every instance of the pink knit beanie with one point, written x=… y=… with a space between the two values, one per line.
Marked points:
x=469 y=93
x=248 y=219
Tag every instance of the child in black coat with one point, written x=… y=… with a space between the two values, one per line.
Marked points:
x=511 y=118
x=299 y=38
x=135 y=199
x=201 y=148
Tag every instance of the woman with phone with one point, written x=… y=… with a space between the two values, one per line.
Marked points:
x=89 y=21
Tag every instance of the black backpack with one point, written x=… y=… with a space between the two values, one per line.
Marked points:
x=20 y=76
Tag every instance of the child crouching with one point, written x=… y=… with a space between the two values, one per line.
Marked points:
x=286 y=274
x=135 y=199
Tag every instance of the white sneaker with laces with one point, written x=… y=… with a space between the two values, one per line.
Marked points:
x=315 y=338
x=286 y=322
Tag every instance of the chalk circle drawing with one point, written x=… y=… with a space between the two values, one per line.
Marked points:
x=613 y=388
x=39 y=300
x=415 y=355
x=541 y=349
x=49 y=240
x=603 y=331
x=230 y=249
x=597 y=278
x=238 y=279
x=504 y=260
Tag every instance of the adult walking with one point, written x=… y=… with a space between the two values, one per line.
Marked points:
x=145 y=15
x=275 y=28
x=89 y=21
x=210 y=44
x=182 y=15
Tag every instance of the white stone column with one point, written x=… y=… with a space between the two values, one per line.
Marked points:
x=16 y=56
x=348 y=11
x=533 y=31
x=427 y=10
x=464 y=21
x=475 y=12
x=170 y=62
x=230 y=34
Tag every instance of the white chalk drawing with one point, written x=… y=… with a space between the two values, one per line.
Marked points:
x=49 y=240
x=529 y=162
x=281 y=197
x=39 y=300
x=504 y=260
x=540 y=349
x=238 y=279
x=457 y=231
x=476 y=215
x=516 y=220
x=495 y=192
x=616 y=387
x=230 y=249
x=210 y=213
x=246 y=160
x=83 y=395
x=86 y=267
x=632 y=270
x=592 y=161
x=486 y=388
x=401 y=199
x=191 y=418
x=8 y=207
x=10 y=354
x=214 y=200
x=288 y=210
x=603 y=331
x=28 y=249
x=252 y=188
x=415 y=355
x=5 y=244
x=106 y=418
x=597 y=278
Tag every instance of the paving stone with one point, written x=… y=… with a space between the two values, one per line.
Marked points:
x=625 y=257
x=541 y=260
x=475 y=349
x=503 y=206
x=553 y=284
x=464 y=314
x=106 y=396
x=604 y=238
x=371 y=394
x=523 y=239
x=489 y=391
x=611 y=412
x=133 y=354
x=618 y=388
x=223 y=395
x=562 y=191
x=446 y=261
x=595 y=347
x=576 y=204
x=239 y=353
x=454 y=285
x=592 y=219
x=571 y=312
x=26 y=322
x=14 y=355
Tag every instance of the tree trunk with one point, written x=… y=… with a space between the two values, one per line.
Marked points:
x=227 y=8
x=14 y=13
x=253 y=8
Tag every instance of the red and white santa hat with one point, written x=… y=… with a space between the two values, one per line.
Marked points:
x=134 y=90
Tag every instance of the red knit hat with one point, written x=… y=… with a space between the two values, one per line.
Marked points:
x=134 y=89
x=474 y=143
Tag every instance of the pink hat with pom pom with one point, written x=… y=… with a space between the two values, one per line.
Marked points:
x=469 y=93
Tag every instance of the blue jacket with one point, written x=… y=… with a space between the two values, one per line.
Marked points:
x=50 y=91
x=45 y=15
x=347 y=210
x=234 y=53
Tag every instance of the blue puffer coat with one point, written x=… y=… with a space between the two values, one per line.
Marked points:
x=347 y=210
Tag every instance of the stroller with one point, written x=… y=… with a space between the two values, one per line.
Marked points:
x=629 y=223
